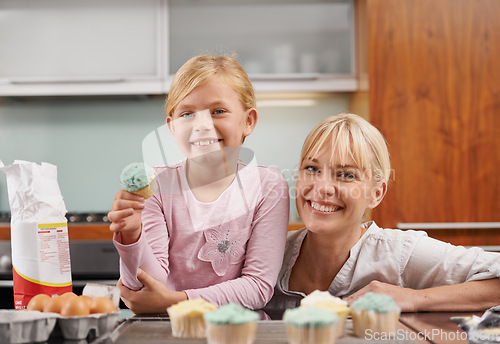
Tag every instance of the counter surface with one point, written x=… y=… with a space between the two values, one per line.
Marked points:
x=420 y=328
x=154 y=331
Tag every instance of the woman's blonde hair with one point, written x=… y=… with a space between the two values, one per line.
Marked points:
x=200 y=69
x=351 y=136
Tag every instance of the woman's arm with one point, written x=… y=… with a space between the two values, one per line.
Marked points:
x=438 y=276
x=433 y=263
x=468 y=296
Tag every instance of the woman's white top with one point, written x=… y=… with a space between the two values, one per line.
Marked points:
x=404 y=258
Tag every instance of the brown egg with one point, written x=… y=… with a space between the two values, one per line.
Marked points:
x=75 y=306
x=69 y=294
x=37 y=302
x=54 y=305
x=87 y=299
x=102 y=305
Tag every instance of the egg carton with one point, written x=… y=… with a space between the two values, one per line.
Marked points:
x=34 y=326
x=26 y=326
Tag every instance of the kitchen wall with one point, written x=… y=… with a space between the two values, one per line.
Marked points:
x=91 y=139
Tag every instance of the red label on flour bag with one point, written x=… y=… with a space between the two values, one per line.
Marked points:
x=39 y=232
x=50 y=248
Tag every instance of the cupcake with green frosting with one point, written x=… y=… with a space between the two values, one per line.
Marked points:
x=231 y=323
x=139 y=179
x=375 y=312
x=310 y=325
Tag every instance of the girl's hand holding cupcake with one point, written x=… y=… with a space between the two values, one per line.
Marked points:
x=137 y=180
x=126 y=216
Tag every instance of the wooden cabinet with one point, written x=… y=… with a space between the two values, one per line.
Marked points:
x=435 y=95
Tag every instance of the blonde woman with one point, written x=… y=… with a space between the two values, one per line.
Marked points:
x=216 y=228
x=344 y=172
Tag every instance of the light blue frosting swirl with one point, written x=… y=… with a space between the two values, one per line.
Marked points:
x=379 y=303
x=136 y=176
x=231 y=314
x=310 y=316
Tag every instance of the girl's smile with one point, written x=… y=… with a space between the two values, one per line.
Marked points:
x=205 y=142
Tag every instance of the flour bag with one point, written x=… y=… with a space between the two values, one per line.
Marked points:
x=39 y=232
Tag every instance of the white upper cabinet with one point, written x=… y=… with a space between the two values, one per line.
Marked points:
x=105 y=47
x=90 y=47
x=284 y=45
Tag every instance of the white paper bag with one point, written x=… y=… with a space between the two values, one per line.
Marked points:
x=39 y=231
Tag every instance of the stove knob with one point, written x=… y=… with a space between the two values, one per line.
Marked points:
x=5 y=263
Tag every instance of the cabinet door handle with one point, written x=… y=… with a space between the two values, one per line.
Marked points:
x=448 y=225
x=284 y=77
x=33 y=81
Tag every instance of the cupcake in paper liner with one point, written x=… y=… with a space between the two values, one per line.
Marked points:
x=231 y=324
x=377 y=313
x=139 y=179
x=186 y=318
x=326 y=301
x=310 y=325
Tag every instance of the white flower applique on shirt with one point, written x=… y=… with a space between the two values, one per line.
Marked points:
x=223 y=247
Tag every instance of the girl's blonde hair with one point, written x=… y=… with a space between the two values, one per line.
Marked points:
x=351 y=136
x=200 y=69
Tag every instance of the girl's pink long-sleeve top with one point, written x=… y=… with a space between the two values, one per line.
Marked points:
x=229 y=250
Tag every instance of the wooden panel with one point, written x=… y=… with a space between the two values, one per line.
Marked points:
x=435 y=95
x=98 y=231
x=295 y=226
x=466 y=237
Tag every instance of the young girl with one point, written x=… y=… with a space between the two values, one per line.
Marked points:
x=216 y=228
x=344 y=171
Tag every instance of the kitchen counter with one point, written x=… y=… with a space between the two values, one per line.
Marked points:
x=434 y=327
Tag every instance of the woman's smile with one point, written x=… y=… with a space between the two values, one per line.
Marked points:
x=324 y=208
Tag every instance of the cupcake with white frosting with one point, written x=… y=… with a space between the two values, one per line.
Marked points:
x=326 y=301
x=186 y=318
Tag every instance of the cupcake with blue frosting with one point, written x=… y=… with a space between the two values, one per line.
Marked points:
x=139 y=179
x=377 y=313
x=310 y=325
x=231 y=324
